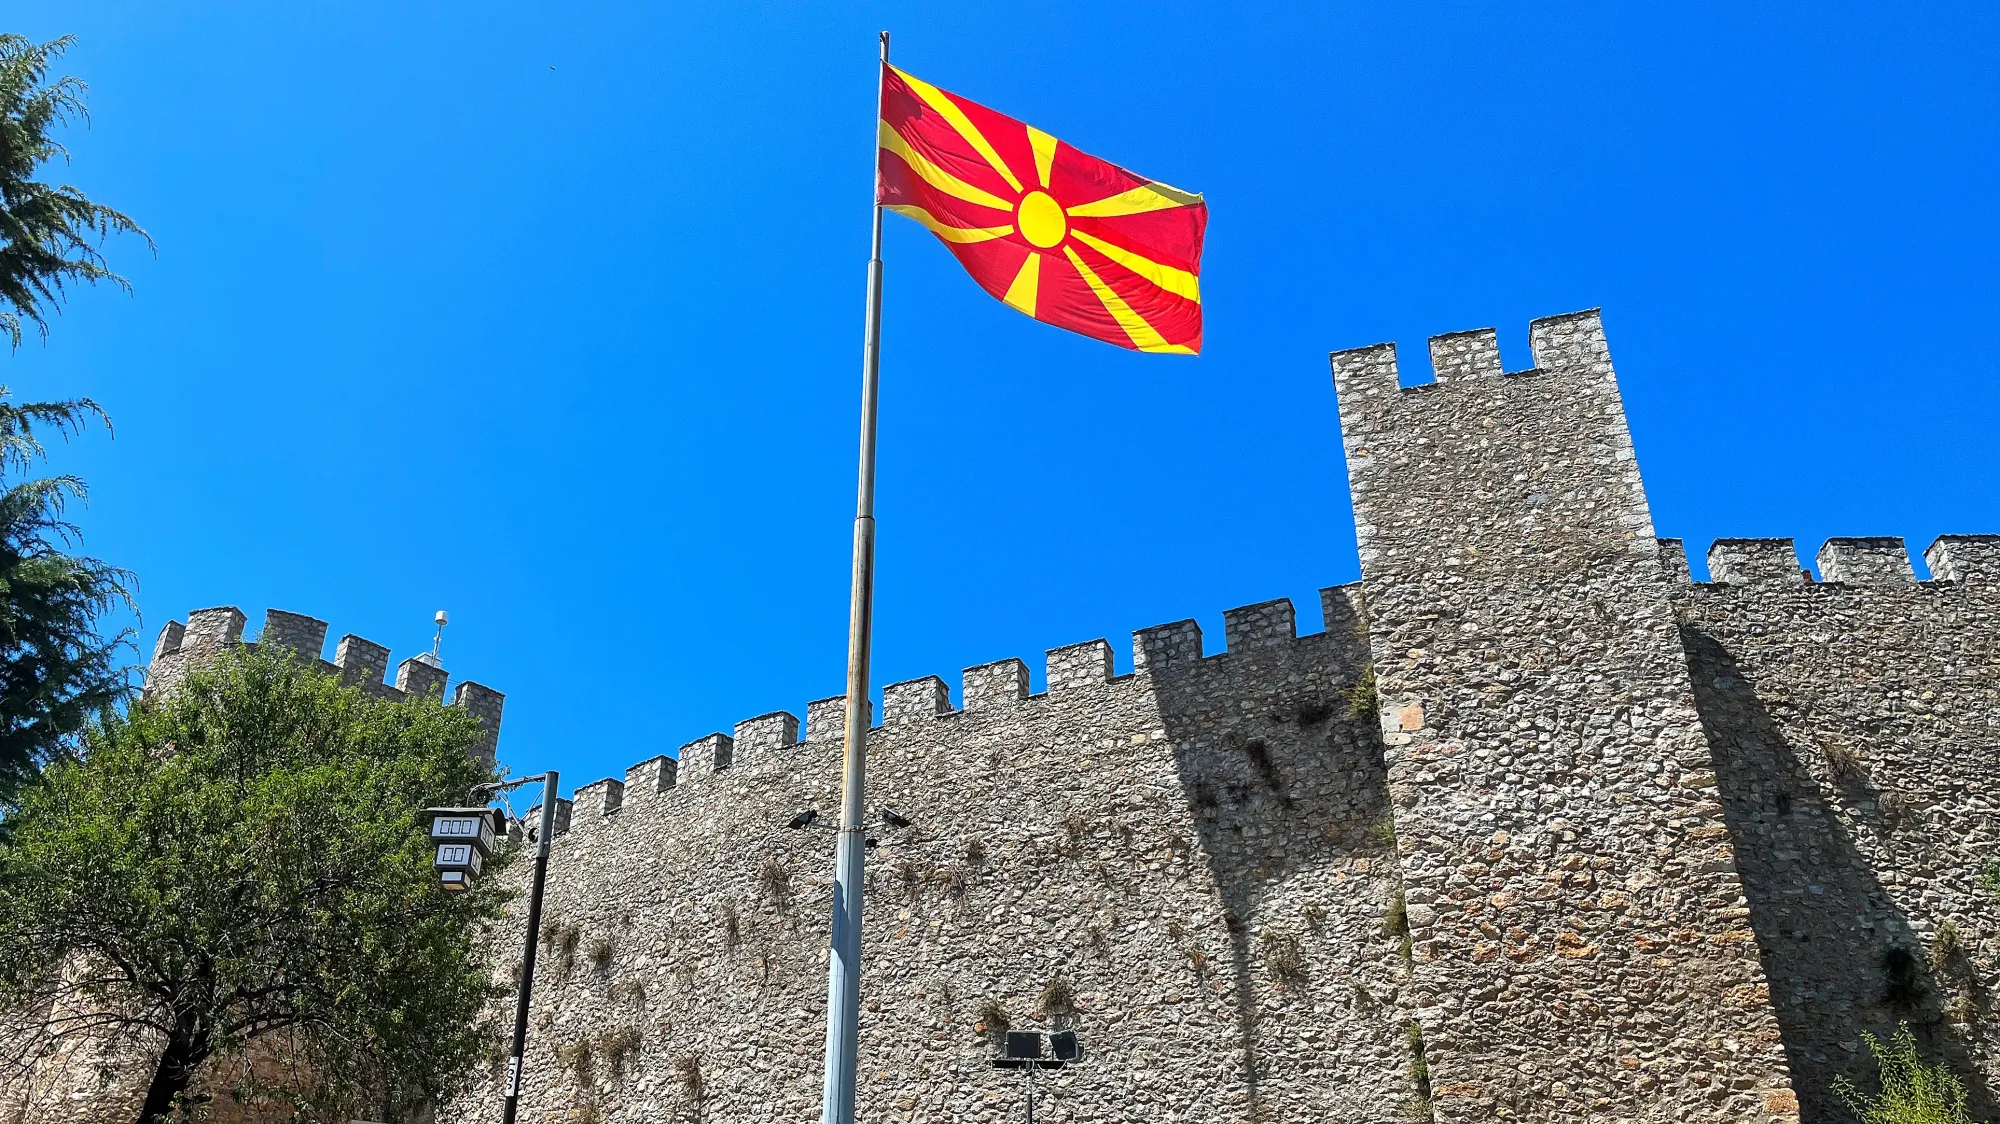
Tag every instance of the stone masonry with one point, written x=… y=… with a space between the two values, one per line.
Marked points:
x=1534 y=828
x=1582 y=941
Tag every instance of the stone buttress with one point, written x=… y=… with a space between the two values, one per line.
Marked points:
x=1580 y=939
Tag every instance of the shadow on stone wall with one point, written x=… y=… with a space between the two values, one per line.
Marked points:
x=1287 y=784
x=1840 y=954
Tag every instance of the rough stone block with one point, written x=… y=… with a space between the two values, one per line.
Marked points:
x=602 y=797
x=1754 y=562
x=1167 y=647
x=711 y=753
x=1571 y=342
x=209 y=631
x=1003 y=683
x=1263 y=625
x=1865 y=561
x=361 y=662
x=170 y=639
x=1674 y=562
x=301 y=635
x=417 y=676
x=766 y=733
x=1078 y=666
x=485 y=704
x=651 y=777
x=915 y=700
x=1459 y=356
x=1964 y=558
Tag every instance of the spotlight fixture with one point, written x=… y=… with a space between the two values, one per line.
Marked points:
x=890 y=817
x=869 y=843
x=804 y=819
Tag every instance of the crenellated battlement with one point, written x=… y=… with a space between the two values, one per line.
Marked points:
x=1076 y=674
x=1879 y=561
x=358 y=662
x=1570 y=343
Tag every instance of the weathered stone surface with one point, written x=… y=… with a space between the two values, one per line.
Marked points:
x=1581 y=944
x=1191 y=851
x=1855 y=729
x=1662 y=850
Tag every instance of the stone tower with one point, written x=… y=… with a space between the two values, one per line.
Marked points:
x=1581 y=939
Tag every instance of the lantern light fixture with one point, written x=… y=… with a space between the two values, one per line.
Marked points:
x=465 y=839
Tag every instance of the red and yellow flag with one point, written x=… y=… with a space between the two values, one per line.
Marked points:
x=1067 y=238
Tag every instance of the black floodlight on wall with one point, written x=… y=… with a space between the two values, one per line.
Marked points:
x=464 y=838
x=1022 y=1050
x=890 y=817
x=804 y=819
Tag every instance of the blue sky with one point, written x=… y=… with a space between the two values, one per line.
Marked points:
x=550 y=315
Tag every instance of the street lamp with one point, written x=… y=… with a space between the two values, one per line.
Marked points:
x=464 y=838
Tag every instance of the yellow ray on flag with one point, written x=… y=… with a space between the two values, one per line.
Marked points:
x=960 y=234
x=1021 y=294
x=1137 y=201
x=893 y=142
x=935 y=98
x=1176 y=281
x=1143 y=336
x=1045 y=153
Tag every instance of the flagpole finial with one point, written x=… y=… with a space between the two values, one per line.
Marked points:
x=885 y=47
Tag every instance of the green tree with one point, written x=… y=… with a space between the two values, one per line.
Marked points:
x=50 y=234
x=58 y=671
x=1913 y=1091
x=238 y=870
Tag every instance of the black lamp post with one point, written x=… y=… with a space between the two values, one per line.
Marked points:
x=465 y=839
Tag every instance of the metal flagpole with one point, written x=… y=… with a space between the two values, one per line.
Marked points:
x=843 y=969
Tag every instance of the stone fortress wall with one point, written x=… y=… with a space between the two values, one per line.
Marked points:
x=1855 y=725
x=1535 y=827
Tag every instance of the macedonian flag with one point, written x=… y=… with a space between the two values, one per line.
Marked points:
x=1060 y=235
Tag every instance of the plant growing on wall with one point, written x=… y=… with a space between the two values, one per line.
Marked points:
x=1283 y=954
x=1912 y=1091
x=617 y=1046
x=242 y=865
x=1361 y=697
x=602 y=952
x=1419 y=1107
x=776 y=881
x=994 y=1021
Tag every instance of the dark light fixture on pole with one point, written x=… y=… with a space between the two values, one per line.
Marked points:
x=1024 y=1051
x=465 y=838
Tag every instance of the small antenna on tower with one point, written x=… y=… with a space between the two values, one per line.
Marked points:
x=443 y=618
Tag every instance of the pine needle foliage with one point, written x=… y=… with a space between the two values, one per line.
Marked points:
x=240 y=867
x=50 y=234
x=1913 y=1091
x=58 y=672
